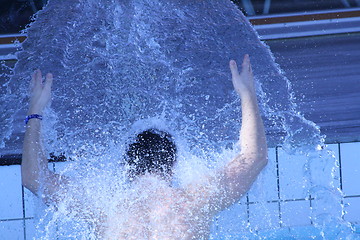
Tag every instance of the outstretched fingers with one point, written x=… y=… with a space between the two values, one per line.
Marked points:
x=48 y=81
x=40 y=94
x=38 y=78
x=246 y=65
x=243 y=82
x=36 y=82
x=234 y=68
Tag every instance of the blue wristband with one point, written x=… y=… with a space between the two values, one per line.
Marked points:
x=32 y=116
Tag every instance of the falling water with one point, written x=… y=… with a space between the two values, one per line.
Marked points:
x=121 y=67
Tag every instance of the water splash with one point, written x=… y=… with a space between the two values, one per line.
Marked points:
x=124 y=66
x=146 y=58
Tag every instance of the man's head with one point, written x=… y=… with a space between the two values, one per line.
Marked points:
x=152 y=152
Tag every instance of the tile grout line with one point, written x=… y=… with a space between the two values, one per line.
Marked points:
x=288 y=200
x=340 y=169
x=15 y=219
x=23 y=210
x=278 y=184
x=248 y=208
x=310 y=203
x=307 y=164
x=352 y=196
x=341 y=183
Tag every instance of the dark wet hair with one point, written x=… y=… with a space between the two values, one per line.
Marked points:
x=152 y=152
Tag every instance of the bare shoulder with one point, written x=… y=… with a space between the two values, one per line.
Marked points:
x=202 y=195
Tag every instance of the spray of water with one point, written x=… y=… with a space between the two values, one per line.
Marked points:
x=121 y=67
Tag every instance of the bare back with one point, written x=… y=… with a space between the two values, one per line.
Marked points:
x=154 y=210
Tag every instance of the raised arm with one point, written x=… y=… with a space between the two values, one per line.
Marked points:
x=228 y=184
x=34 y=166
x=241 y=172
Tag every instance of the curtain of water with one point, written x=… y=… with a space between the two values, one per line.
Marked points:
x=124 y=66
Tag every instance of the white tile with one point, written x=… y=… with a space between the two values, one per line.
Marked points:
x=264 y=216
x=295 y=213
x=326 y=203
x=243 y=199
x=30 y=228
x=12 y=230
x=350 y=168
x=352 y=208
x=265 y=187
x=10 y=192
x=333 y=151
x=29 y=201
x=323 y=170
x=231 y=221
x=294 y=183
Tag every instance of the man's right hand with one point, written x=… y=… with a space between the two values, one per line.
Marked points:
x=40 y=92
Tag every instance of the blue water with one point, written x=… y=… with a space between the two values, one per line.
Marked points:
x=140 y=59
x=124 y=66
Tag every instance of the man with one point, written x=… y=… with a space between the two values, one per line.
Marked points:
x=162 y=212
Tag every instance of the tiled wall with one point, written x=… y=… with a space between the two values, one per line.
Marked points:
x=278 y=195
